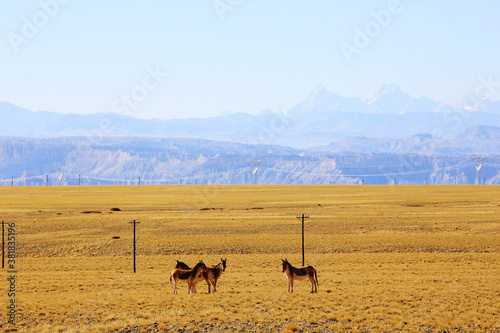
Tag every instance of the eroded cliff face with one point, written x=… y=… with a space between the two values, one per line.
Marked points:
x=101 y=161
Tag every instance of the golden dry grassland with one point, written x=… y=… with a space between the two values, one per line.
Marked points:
x=389 y=258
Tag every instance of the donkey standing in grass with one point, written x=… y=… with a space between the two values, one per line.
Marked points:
x=211 y=275
x=191 y=276
x=214 y=273
x=293 y=273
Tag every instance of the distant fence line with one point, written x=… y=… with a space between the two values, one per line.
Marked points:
x=60 y=178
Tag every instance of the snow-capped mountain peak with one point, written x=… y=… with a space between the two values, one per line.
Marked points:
x=389 y=99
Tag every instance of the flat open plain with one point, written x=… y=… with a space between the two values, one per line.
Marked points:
x=389 y=258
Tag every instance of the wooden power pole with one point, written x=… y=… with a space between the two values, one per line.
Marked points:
x=135 y=223
x=303 y=217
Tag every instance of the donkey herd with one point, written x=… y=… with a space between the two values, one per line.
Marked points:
x=200 y=272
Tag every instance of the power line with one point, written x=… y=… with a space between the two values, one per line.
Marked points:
x=62 y=178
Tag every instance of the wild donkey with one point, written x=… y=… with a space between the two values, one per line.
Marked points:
x=211 y=275
x=191 y=276
x=293 y=273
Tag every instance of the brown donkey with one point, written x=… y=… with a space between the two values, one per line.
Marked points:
x=214 y=273
x=211 y=275
x=203 y=276
x=191 y=276
x=293 y=273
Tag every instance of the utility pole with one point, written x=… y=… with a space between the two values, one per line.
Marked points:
x=303 y=217
x=479 y=166
x=255 y=168
x=135 y=223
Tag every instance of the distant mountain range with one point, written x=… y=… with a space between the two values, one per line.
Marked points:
x=479 y=139
x=163 y=161
x=322 y=118
x=390 y=138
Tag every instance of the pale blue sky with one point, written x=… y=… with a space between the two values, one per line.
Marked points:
x=76 y=56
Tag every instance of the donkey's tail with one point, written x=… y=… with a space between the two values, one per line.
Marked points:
x=316 y=278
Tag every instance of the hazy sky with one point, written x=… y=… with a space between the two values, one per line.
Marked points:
x=176 y=59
